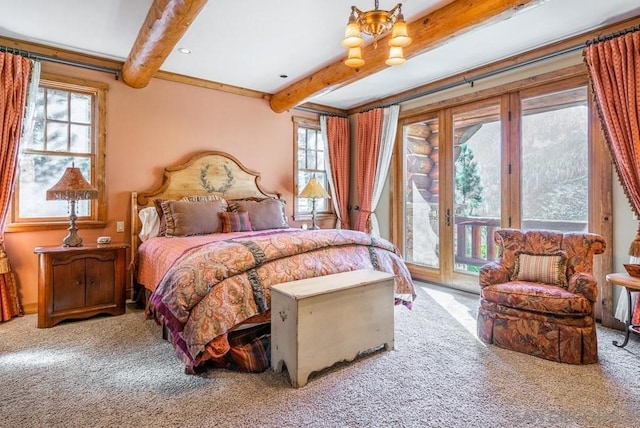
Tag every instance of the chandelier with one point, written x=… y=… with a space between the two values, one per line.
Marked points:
x=376 y=23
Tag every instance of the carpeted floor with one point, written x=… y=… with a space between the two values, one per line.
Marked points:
x=118 y=372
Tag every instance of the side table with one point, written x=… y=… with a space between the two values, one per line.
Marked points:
x=80 y=282
x=630 y=285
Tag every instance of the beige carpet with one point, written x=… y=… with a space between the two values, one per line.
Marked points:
x=118 y=372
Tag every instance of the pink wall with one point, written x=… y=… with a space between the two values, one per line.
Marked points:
x=162 y=125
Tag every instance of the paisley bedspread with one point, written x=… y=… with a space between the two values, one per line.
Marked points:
x=215 y=287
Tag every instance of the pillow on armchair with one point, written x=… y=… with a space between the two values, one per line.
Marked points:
x=546 y=268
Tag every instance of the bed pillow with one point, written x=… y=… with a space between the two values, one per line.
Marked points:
x=546 y=268
x=162 y=225
x=149 y=223
x=235 y=222
x=205 y=198
x=195 y=198
x=266 y=214
x=185 y=218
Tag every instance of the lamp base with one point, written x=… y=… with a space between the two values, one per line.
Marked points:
x=314 y=226
x=72 y=239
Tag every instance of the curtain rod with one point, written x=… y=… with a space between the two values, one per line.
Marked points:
x=613 y=35
x=473 y=79
x=42 y=57
x=303 y=107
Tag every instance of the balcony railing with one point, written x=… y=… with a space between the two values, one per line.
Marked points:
x=474 y=244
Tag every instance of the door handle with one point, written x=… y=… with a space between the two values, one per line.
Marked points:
x=447 y=217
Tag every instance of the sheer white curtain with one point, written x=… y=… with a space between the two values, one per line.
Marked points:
x=30 y=108
x=389 y=128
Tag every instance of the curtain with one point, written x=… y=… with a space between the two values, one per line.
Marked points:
x=14 y=83
x=376 y=135
x=368 y=139
x=389 y=127
x=336 y=137
x=614 y=70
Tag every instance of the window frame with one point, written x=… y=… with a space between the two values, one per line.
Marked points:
x=600 y=170
x=98 y=219
x=306 y=123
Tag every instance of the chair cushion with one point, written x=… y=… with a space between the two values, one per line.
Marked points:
x=538 y=297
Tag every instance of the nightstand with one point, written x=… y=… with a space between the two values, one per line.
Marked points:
x=80 y=282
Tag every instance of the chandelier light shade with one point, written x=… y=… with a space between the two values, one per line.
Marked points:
x=352 y=37
x=376 y=23
x=395 y=56
x=72 y=187
x=399 y=35
x=355 y=58
x=313 y=190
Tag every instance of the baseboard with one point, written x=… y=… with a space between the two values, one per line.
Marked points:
x=30 y=308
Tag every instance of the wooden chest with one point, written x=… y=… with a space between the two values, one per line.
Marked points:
x=318 y=322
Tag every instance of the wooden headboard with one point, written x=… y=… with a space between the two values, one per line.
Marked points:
x=205 y=173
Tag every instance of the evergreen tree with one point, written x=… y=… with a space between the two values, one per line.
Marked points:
x=467 y=181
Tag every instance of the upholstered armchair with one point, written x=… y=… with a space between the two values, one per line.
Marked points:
x=538 y=297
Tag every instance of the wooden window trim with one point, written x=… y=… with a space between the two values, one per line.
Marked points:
x=600 y=182
x=98 y=166
x=312 y=124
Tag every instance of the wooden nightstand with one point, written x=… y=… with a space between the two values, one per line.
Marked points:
x=80 y=282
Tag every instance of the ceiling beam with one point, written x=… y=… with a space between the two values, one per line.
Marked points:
x=165 y=24
x=427 y=32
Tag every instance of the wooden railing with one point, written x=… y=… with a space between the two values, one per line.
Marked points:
x=474 y=244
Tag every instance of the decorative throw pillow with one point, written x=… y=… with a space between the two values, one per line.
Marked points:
x=266 y=214
x=235 y=222
x=192 y=218
x=546 y=268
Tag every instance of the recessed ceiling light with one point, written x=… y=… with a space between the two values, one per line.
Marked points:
x=184 y=51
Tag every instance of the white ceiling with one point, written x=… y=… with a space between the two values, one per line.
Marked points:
x=250 y=43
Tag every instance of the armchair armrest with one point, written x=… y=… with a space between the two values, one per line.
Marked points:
x=585 y=284
x=493 y=273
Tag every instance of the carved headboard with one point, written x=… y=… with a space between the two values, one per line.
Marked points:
x=205 y=173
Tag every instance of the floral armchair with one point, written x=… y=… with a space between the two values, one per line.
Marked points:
x=538 y=297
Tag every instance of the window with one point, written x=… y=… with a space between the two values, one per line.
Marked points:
x=309 y=162
x=68 y=129
x=526 y=158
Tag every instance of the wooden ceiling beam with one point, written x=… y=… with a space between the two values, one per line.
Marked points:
x=165 y=24
x=427 y=32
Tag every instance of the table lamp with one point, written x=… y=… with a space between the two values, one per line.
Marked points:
x=313 y=190
x=72 y=187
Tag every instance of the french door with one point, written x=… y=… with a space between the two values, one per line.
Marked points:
x=523 y=159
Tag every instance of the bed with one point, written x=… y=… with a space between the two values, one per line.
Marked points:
x=208 y=244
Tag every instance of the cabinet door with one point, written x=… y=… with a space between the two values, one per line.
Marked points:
x=100 y=280
x=68 y=285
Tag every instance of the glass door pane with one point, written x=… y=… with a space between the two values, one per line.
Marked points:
x=421 y=166
x=555 y=161
x=477 y=186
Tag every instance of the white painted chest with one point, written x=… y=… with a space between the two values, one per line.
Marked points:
x=318 y=322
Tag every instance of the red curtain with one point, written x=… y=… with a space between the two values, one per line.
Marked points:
x=338 y=143
x=368 y=141
x=614 y=70
x=14 y=83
